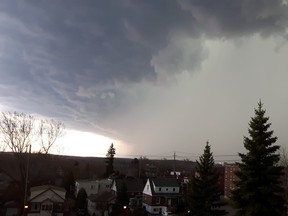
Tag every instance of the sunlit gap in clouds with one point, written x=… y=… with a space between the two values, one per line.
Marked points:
x=79 y=143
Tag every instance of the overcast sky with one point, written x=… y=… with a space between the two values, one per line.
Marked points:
x=153 y=77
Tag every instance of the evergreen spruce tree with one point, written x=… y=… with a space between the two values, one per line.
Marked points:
x=69 y=184
x=110 y=160
x=205 y=193
x=81 y=199
x=258 y=188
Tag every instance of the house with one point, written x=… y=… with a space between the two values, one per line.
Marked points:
x=134 y=190
x=12 y=208
x=46 y=200
x=101 y=203
x=93 y=186
x=161 y=195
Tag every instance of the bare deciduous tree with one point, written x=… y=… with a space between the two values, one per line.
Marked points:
x=49 y=132
x=2 y=146
x=17 y=131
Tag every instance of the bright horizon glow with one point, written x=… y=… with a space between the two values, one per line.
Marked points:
x=79 y=143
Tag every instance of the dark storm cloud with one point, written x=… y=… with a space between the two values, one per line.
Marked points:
x=53 y=49
x=93 y=40
x=227 y=18
x=71 y=58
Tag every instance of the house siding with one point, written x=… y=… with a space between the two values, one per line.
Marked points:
x=154 y=209
x=46 y=201
x=162 y=197
x=93 y=186
x=147 y=189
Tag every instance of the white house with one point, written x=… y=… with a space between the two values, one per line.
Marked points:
x=161 y=195
x=46 y=200
x=93 y=186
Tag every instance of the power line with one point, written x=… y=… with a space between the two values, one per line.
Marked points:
x=174 y=156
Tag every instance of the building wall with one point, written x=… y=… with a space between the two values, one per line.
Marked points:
x=147 y=199
x=230 y=177
x=12 y=211
x=91 y=207
x=147 y=188
x=46 y=201
x=93 y=186
x=166 y=190
x=155 y=200
x=154 y=209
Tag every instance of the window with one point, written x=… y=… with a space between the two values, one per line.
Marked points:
x=160 y=188
x=58 y=207
x=174 y=189
x=35 y=206
x=158 y=200
x=47 y=207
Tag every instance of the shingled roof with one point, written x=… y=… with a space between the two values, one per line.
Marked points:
x=133 y=185
x=164 y=182
x=47 y=187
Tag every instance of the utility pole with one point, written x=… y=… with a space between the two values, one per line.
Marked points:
x=139 y=167
x=174 y=164
x=26 y=179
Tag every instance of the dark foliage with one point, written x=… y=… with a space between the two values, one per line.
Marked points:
x=69 y=184
x=110 y=160
x=81 y=199
x=258 y=188
x=205 y=194
x=122 y=196
x=122 y=201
